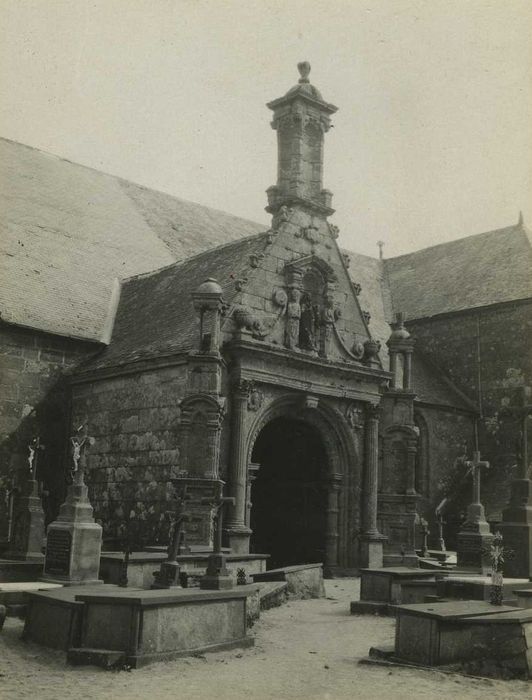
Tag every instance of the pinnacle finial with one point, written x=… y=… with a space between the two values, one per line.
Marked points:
x=520 y=221
x=381 y=246
x=304 y=70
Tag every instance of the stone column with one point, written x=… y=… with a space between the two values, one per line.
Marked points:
x=371 y=539
x=237 y=531
x=407 y=370
x=333 y=511
x=411 y=451
x=393 y=370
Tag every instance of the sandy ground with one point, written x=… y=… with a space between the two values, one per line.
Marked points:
x=306 y=649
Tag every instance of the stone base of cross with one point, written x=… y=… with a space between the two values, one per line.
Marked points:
x=217 y=576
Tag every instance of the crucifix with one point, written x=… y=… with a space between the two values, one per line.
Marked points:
x=78 y=443
x=34 y=447
x=217 y=575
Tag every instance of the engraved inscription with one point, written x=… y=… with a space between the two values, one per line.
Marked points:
x=58 y=546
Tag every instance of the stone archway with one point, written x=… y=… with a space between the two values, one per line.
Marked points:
x=340 y=478
x=289 y=493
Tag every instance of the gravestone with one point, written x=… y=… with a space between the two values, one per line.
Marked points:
x=218 y=575
x=27 y=532
x=516 y=526
x=474 y=538
x=74 y=540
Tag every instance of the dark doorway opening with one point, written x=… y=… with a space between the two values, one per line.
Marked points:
x=288 y=496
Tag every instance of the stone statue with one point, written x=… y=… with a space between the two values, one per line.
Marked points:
x=293 y=312
x=308 y=323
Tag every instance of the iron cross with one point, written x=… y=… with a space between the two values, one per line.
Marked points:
x=218 y=501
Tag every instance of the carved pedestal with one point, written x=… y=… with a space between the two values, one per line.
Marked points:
x=516 y=530
x=474 y=540
x=74 y=540
x=397 y=520
x=28 y=526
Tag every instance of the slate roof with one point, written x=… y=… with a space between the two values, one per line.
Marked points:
x=142 y=331
x=432 y=386
x=488 y=268
x=68 y=231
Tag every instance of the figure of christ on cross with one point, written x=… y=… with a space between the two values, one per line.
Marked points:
x=217 y=575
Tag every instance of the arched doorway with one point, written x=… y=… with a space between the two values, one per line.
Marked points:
x=289 y=493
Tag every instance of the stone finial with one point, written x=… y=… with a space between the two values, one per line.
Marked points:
x=520 y=221
x=381 y=246
x=304 y=70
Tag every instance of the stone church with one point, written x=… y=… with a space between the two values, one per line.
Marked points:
x=335 y=394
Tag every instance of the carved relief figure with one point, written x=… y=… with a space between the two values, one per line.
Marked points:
x=293 y=312
x=309 y=318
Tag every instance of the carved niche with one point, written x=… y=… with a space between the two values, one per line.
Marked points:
x=311 y=309
x=199 y=434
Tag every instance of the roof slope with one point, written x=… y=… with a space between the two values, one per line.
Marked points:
x=155 y=314
x=488 y=268
x=432 y=386
x=68 y=231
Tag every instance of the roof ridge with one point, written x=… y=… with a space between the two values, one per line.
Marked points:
x=122 y=179
x=184 y=261
x=517 y=227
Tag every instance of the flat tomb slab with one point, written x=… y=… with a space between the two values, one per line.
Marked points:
x=385 y=585
x=53 y=617
x=14 y=592
x=304 y=580
x=433 y=634
x=476 y=587
x=149 y=626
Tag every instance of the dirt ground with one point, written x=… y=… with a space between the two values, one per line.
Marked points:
x=306 y=649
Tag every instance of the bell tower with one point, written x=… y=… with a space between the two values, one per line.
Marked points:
x=301 y=118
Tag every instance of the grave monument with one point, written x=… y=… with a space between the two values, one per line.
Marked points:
x=74 y=540
x=28 y=520
x=168 y=575
x=474 y=538
x=516 y=526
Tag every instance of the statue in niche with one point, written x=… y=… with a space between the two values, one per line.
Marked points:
x=308 y=324
x=293 y=312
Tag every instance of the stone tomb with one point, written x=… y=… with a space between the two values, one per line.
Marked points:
x=303 y=580
x=464 y=587
x=141 y=565
x=380 y=588
x=141 y=627
x=434 y=634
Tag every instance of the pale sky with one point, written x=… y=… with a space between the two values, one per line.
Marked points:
x=432 y=140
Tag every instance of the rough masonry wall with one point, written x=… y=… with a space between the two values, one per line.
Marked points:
x=134 y=420
x=487 y=355
x=34 y=401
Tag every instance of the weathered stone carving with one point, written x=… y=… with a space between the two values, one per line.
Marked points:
x=308 y=323
x=366 y=316
x=357 y=288
x=357 y=350
x=334 y=230
x=371 y=352
x=282 y=216
x=279 y=297
x=293 y=312
x=346 y=259
x=245 y=319
x=255 y=396
x=355 y=416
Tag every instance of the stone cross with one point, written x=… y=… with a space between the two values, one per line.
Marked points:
x=218 y=502
x=474 y=466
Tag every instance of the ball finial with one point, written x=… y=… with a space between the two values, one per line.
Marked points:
x=304 y=70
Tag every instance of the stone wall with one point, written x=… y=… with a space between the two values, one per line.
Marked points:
x=34 y=401
x=486 y=353
x=135 y=422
